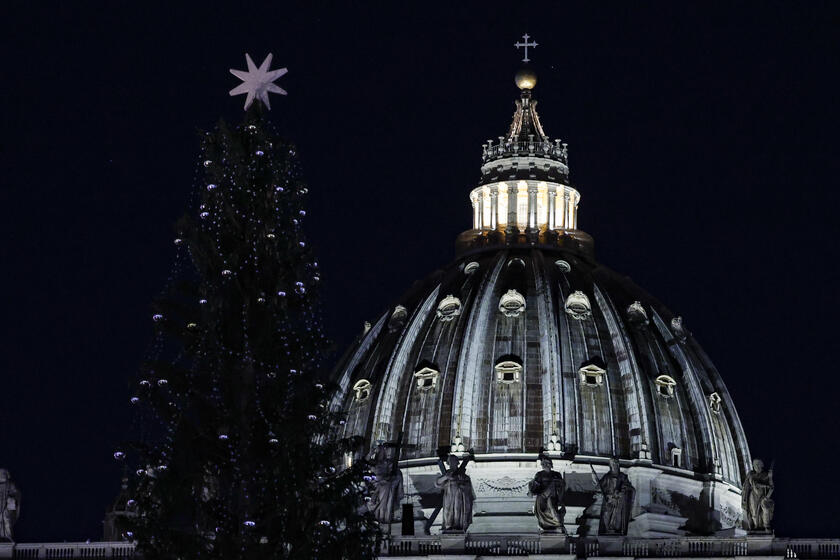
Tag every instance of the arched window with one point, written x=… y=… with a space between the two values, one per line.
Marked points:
x=665 y=386
x=516 y=262
x=577 y=305
x=563 y=266
x=449 y=308
x=508 y=369
x=362 y=389
x=676 y=457
x=471 y=267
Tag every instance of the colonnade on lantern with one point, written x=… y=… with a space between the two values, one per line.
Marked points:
x=534 y=205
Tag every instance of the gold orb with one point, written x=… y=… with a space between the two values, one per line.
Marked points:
x=526 y=79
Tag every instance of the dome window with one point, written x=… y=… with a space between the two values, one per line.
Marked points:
x=508 y=370
x=398 y=318
x=592 y=374
x=637 y=315
x=362 y=389
x=426 y=376
x=714 y=403
x=665 y=386
x=449 y=308
x=563 y=266
x=471 y=267
x=678 y=329
x=512 y=303
x=577 y=305
x=676 y=457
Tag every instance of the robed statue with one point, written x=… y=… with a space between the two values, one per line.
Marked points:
x=757 y=497
x=458 y=494
x=387 y=483
x=618 y=499
x=9 y=506
x=548 y=488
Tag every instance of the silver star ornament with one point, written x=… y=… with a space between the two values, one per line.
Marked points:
x=257 y=82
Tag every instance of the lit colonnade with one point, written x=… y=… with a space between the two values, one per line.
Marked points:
x=527 y=204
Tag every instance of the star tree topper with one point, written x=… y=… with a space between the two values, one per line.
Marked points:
x=257 y=82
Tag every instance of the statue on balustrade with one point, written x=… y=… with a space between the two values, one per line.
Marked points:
x=458 y=494
x=618 y=499
x=757 y=498
x=388 y=484
x=9 y=506
x=548 y=487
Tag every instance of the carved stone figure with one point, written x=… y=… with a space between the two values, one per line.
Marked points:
x=458 y=495
x=9 y=506
x=388 y=485
x=548 y=487
x=756 y=498
x=618 y=500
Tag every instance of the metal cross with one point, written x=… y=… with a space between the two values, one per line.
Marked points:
x=526 y=44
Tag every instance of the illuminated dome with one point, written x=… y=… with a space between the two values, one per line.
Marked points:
x=526 y=343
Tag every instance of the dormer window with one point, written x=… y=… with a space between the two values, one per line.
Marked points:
x=449 y=308
x=362 y=389
x=637 y=315
x=592 y=374
x=563 y=266
x=398 y=318
x=676 y=457
x=471 y=267
x=665 y=386
x=714 y=403
x=508 y=370
x=426 y=374
x=577 y=305
x=512 y=303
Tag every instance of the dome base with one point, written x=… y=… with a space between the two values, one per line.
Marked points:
x=570 y=240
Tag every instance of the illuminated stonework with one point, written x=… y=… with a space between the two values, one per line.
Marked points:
x=512 y=303
x=527 y=204
x=449 y=308
x=578 y=306
x=665 y=386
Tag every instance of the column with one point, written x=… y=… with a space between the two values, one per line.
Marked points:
x=574 y=211
x=480 y=210
x=532 y=206
x=567 y=214
x=552 y=195
x=494 y=207
x=513 y=191
x=475 y=212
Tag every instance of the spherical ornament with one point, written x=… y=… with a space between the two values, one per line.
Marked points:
x=131 y=503
x=192 y=326
x=526 y=79
x=202 y=301
x=278 y=188
x=270 y=235
x=312 y=417
x=304 y=190
x=281 y=293
x=207 y=163
x=162 y=382
x=249 y=523
x=134 y=400
x=178 y=241
x=302 y=244
x=294 y=221
x=145 y=383
x=204 y=215
x=211 y=186
x=342 y=422
x=260 y=152
x=226 y=272
x=162 y=467
x=300 y=290
x=316 y=278
x=157 y=317
x=140 y=472
x=119 y=455
x=293 y=371
x=260 y=300
x=252 y=127
x=302 y=212
x=273 y=441
x=223 y=437
x=271 y=375
x=319 y=386
x=129 y=534
x=324 y=523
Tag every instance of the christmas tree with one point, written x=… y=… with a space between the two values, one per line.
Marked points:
x=236 y=456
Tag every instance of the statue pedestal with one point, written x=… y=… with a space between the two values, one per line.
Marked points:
x=554 y=543
x=452 y=542
x=760 y=543
x=6 y=549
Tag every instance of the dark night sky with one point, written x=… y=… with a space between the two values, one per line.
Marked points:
x=703 y=141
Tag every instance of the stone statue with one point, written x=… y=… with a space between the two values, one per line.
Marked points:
x=388 y=485
x=618 y=499
x=9 y=506
x=756 y=498
x=458 y=494
x=548 y=486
